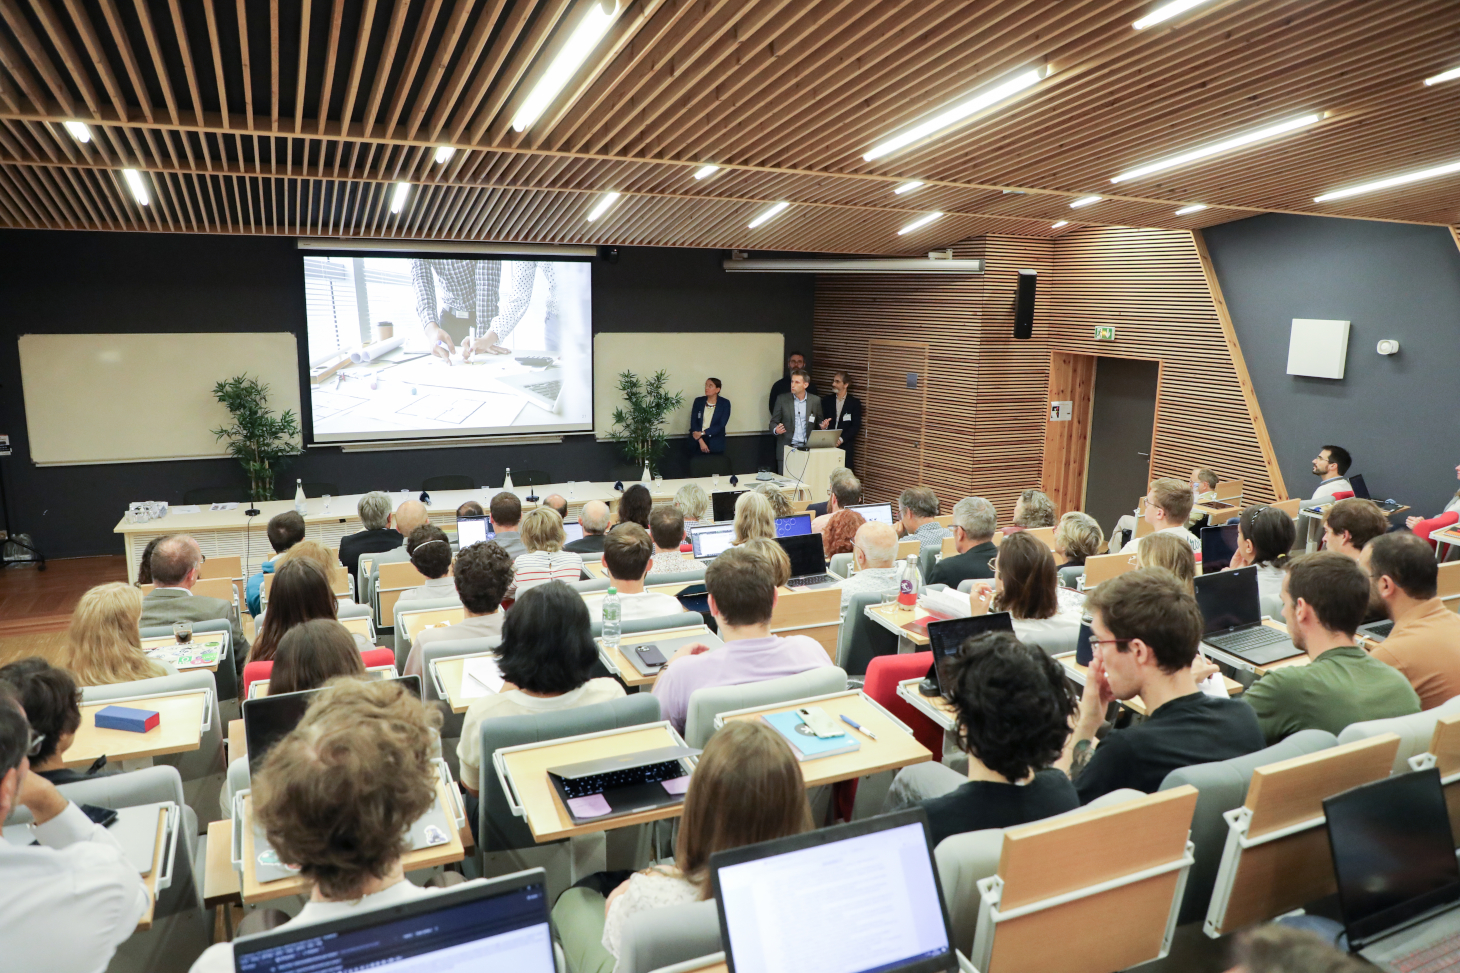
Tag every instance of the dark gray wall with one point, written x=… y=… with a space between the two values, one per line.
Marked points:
x=1390 y=280
x=55 y=282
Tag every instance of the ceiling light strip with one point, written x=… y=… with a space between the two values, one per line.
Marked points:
x=597 y=19
x=768 y=214
x=1402 y=180
x=399 y=197
x=1188 y=210
x=1167 y=11
x=1084 y=201
x=919 y=223
x=1226 y=145
x=957 y=112
x=137 y=185
x=601 y=207
x=1444 y=76
x=907 y=187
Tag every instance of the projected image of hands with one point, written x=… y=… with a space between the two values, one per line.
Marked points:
x=407 y=347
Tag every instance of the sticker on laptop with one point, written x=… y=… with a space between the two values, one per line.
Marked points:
x=271 y=857
x=435 y=836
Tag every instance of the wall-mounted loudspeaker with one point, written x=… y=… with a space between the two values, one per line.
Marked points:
x=1024 y=305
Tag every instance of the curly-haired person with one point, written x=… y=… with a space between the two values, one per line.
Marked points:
x=1013 y=708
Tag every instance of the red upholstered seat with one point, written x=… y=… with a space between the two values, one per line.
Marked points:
x=254 y=671
x=1424 y=528
x=884 y=672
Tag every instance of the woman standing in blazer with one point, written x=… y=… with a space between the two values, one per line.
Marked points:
x=707 y=420
x=844 y=412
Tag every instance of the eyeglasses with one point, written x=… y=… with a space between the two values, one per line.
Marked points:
x=1109 y=641
x=36 y=740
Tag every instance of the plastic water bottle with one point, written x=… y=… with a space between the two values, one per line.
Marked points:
x=612 y=618
x=907 y=587
x=507 y=483
x=299 y=504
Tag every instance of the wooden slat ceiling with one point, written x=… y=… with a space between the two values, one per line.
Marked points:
x=297 y=116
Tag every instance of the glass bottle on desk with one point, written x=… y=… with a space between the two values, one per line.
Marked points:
x=507 y=482
x=908 y=585
x=300 y=505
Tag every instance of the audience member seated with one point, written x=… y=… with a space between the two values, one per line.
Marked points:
x=1169 y=552
x=380 y=533
x=311 y=654
x=103 y=644
x=918 y=510
x=320 y=555
x=874 y=551
x=1424 y=526
x=754 y=517
x=823 y=507
x=1032 y=509
x=482 y=574
x=176 y=561
x=506 y=516
x=558 y=504
x=545 y=559
x=627 y=558
x=1013 y=707
x=284 y=531
x=52 y=705
x=1203 y=489
x=1350 y=524
x=747 y=788
x=594 y=520
x=1077 y=537
x=974 y=522
x=1168 y=504
x=547 y=656
x=780 y=503
x=742 y=584
x=666 y=529
x=72 y=897
x=144 y=566
x=300 y=594
x=1330 y=466
x=1265 y=538
x=1146 y=629
x=470 y=509
x=846 y=490
x=693 y=502
x=408 y=516
x=1424 y=644
x=430 y=554
x=840 y=531
x=1026 y=586
x=1281 y=948
x=338 y=795
x=1324 y=596
x=635 y=504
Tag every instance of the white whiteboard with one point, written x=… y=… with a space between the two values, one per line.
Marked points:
x=121 y=398
x=748 y=363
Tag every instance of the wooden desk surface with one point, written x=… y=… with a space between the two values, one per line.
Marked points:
x=159 y=641
x=237 y=741
x=1220 y=511
x=158 y=854
x=413 y=623
x=359 y=625
x=935 y=708
x=180 y=729
x=546 y=816
x=254 y=891
x=627 y=672
x=893 y=618
x=893 y=748
x=450 y=672
x=220 y=878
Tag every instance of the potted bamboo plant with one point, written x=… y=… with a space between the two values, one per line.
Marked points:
x=260 y=439
x=638 y=425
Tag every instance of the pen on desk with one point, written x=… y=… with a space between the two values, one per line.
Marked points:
x=857 y=726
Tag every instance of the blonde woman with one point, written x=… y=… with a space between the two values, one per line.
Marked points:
x=1076 y=537
x=754 y=517
x=104 y=645
x=314 y=551
x=693 y=502
x=545 y=560
x=1170 y=552
x=780 y=505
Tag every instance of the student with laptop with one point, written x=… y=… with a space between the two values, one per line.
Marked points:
x=1146 y=629
x=874 y=550
x=1424 y=643
x=1265 y=538
x=335 y=796
x=1350 y=524
x=627 y=557
x=482 y=573
x=918 y=508
x=1168 y=505
x=1026 y=586
x=846 y=491
x=1330 y=465
x=1324 y=596
x=974 y=523
x=68 y=901
x=742 y=585
x=1013 y=707
x=746 y=788
x=666 y=530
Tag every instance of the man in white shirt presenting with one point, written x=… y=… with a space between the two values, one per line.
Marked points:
x=1330 y=465
x=66 y=905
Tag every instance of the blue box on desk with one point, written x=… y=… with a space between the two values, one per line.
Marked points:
x=126 y=718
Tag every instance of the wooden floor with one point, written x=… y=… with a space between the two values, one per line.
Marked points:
x=36 y=606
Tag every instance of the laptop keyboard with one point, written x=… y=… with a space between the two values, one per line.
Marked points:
x=548 y=390
x=1379 y=629
x=1252 y=638
x=808 y=582
x=614 y=779
x=1443 y=955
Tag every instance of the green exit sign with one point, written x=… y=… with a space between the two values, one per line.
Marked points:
x=1105 y=332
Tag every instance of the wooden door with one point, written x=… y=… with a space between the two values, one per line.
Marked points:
x=891 y=454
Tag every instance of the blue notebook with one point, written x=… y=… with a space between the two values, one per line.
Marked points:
x=805 y=744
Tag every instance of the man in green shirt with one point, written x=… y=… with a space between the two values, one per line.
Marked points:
x=1324 y=599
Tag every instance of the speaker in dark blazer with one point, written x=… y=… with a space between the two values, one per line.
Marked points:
x=713 y=435
x=847 y=420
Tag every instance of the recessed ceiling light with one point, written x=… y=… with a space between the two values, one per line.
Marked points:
x=581 y=42
x=1165 y=12
x=137 y=185
x=79 y=131
x=601 y=207
x=444 y=153
x=907 y=187
x=768 y=214
x=1440 y=78
x=952 y=115
x=398 y=198
x=919 y=223
x=1188 y=210
x=1237 y=141
x=1085 y=201
x=706 y=171
x=1408 y=177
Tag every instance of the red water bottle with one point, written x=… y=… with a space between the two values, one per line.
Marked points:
x=907 y=587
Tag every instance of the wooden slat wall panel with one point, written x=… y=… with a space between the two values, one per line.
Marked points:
x=1067 y=442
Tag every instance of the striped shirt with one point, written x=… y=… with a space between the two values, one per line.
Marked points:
x=538 y=567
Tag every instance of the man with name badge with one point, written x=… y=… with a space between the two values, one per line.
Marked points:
x=843 y=413
x=795 y=413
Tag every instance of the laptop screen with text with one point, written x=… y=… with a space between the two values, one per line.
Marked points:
x=1228 y=599
x=880 y=512
x=712 y=540
x=473 y=530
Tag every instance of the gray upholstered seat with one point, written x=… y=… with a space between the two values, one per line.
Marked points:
x=705 y=704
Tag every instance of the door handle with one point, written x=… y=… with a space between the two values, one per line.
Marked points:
x=1146 y=455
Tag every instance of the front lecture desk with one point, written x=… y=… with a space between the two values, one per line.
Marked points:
x=229 y=533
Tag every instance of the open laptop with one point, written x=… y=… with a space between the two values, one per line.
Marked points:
x=573 y=530
x=793 y=525
x=1218 y=545
x=808 y=561
x=1398 y=880
x=269 y=719
x=711 y=540
x=628 y=783
x=473 y=530
x=540 y=386
x=880 y=512
x=1233 y=618
x=946 y=639
x=1361 y=490
x=722 y=504
x=498 y=924
x=855 y=897
x=822 y=438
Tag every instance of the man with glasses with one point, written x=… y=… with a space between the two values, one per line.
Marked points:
x=68 y=902
x=1146 y=627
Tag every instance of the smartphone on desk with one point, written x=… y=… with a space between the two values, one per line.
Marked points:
x=650 y=655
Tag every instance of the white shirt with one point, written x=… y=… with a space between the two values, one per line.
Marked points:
x=475 y=627
x=1330 y=486
x=653 y=888
x=434 y=588
x=1179 y=530
x=869 y=579
x=798 y=435
x=640 y=604
x=65 y=907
